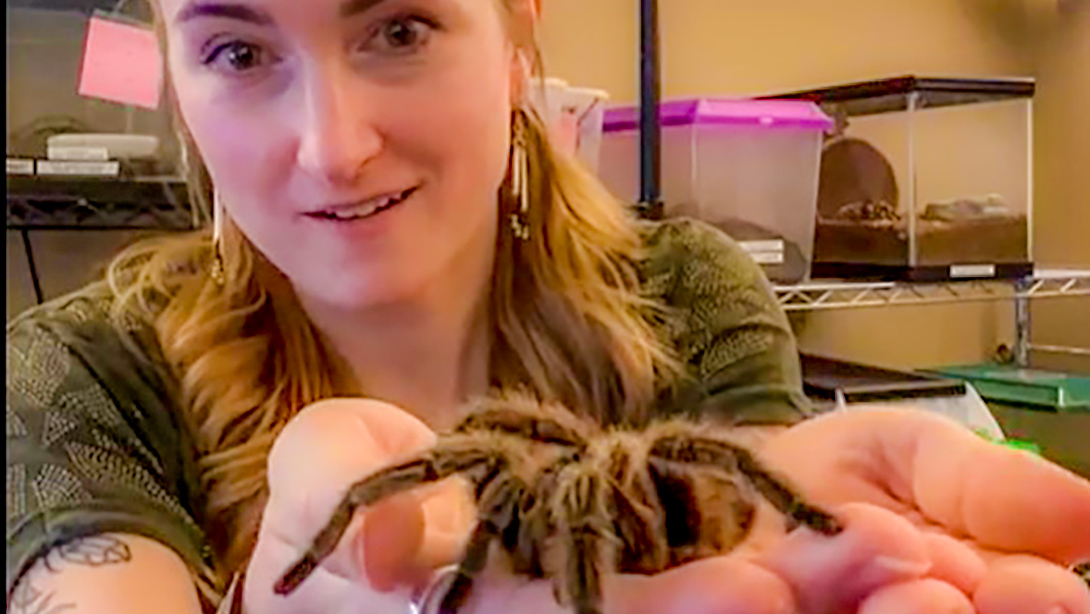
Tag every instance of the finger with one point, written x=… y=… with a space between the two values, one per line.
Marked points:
x=954 y=562
x=908 y=460
x=319 y=454
x=332 y=444
x=450 y=513
x=1004 y=499
x=392 y=535
x=927 y=596
x=876 y=548
x=718 y=585
x=1028 y=585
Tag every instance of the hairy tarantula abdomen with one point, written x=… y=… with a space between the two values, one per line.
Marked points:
x=569 y=500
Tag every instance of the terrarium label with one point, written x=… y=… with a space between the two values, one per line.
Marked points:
x=20 y=166
x=762 y=246
x=79 y=167
x=961 y=271
x=764 y=252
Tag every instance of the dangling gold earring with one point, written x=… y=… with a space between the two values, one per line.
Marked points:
x=520 y=177
x=218 y=272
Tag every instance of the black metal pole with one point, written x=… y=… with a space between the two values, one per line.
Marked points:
x=650 y=205
x=33 y=268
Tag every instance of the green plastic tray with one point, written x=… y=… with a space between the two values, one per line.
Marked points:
x=1009 y=384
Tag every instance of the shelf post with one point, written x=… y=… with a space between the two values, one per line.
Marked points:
x=33 y=268
x=1022 y=322
x=650 y=205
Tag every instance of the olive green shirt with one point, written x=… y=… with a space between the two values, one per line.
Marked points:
x=96 y=441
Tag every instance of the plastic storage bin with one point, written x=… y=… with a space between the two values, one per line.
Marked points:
x=1025 y=387
x=837 y=385
x=926 y=179
x=748 y=167
x=574 y=116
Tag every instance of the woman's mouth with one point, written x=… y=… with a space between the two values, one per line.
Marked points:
x=363 y=209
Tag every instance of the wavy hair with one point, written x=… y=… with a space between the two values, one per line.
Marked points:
x=570 y=323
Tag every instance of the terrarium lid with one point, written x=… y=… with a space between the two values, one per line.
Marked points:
x=892 y=95
x=796 y=114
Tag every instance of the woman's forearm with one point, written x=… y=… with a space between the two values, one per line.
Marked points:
x=107 y=574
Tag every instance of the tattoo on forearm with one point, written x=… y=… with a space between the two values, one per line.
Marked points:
x=96 y=551
x=29 y=599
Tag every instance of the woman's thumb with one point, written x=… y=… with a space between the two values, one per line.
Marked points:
x=319 y=455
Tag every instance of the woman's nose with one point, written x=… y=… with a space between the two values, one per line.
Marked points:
x=338 y=132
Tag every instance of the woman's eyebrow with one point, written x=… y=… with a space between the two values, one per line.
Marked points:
x=242 y=12
x=351 y=8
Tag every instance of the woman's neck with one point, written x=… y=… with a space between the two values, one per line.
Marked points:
x=426 y=355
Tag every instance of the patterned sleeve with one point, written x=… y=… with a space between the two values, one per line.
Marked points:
x=724 y=321
x=92 y=447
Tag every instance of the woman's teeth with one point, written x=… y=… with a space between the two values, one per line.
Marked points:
x=364 y=209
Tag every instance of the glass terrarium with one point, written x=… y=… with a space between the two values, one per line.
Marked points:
x=925 y=179
x=56 y=133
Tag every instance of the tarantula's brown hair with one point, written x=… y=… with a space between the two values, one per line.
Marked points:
x=569 y=501
x=569 y=321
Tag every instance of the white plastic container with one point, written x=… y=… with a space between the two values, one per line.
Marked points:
x=574 y=116
x=748 y=167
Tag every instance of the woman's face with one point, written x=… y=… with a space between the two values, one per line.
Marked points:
x=359 y=144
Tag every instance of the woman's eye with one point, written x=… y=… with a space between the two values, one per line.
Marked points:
x=235 y=56
x=403 y=34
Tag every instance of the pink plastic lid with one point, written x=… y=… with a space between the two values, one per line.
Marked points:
x=799 y=114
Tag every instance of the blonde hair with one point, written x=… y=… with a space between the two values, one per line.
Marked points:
x=570 y=326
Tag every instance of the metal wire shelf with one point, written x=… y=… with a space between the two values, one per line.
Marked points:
x=96 y=204
x=822 y=295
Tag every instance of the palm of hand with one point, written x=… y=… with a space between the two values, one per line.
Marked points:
x=988 y=530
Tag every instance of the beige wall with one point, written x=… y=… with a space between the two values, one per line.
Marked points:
x=1062 y=61
x=727 y=47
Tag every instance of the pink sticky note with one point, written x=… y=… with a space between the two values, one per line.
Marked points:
x=121 y=63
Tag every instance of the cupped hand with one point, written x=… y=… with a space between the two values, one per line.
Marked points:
x=999 y=525
x=937 y=520
x=388 y=549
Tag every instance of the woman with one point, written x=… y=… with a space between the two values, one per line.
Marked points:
x=391 y=224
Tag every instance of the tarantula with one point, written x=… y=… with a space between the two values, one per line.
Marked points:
x=569 y=500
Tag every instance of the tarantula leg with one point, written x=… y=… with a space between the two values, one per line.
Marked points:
x=499 y=505
x=581 y=514
x=518 y=423
x=716 y=453
x=433 y=466
x=525 y=538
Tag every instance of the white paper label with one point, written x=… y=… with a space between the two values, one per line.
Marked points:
x=19 y=166
x=764 y=252
x=78 y=153
x=762 y=246
x=961 y=271
x=98 y=169
x=767 y=257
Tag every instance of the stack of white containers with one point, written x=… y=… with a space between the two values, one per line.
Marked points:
x=574 y=116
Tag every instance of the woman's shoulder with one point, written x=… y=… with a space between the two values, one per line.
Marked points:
x=96 y=439
x=684 y=257
x=90 y=303
x=718 y=312
x=83 y=328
